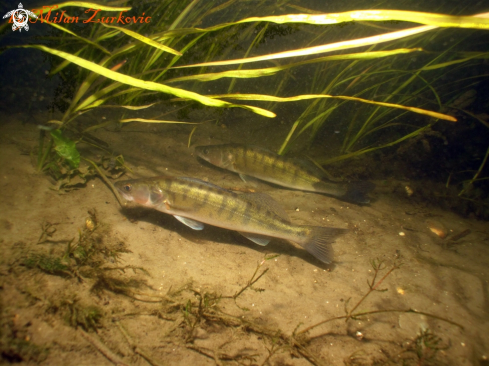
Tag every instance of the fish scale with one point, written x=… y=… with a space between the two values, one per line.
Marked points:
x=292 y=173
x=256 y=216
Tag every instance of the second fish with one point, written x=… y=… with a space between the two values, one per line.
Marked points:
x=287 y=172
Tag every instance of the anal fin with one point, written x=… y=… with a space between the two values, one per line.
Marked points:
x=196 y=225
x=257 y=238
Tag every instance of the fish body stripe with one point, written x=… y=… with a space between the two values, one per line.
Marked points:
x=226 y=206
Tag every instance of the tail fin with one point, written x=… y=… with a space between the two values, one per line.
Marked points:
x=319 y=239
x=357 y=192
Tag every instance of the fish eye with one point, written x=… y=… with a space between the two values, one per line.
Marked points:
x=205 y=150
x=127 y=187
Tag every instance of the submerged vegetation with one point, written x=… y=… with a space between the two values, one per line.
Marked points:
x=407 y=83
x=187 y=313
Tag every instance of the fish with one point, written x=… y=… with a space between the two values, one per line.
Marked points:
x=257 y=216
x=253 y=161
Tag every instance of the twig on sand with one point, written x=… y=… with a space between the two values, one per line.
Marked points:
x=135 y=347
x=111 y=356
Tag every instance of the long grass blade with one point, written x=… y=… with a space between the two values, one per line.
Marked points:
x=255 y=73
x=157 y=54
x=65 y=63
x=95 y=99
x=454 y=62
x=144 y=39
x=87 y=5
x=107 y=35
x=326 y=161
x=96 y=127
x=262 y=97
x=134 y=108
x=190 y=136
x=330 y=47
x=378 y=15
x=154 y=121
x=479 y=171
x=94 y=44
x=479 y=21
x=148 y=85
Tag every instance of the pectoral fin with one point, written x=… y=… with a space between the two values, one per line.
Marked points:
x=244 y=177
x=256 y=238
x=248 y=179
x=190 y=223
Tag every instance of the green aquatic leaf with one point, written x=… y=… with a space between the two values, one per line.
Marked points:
x=153 y=121
x=261 y=97
x=66 y=148
x=65 y=63
x=432 y=21
x=328 y=160
x=144 y=39
x=255 y=73
x=94 y=44
x=379 y=15
x=85 y=4
x=147 y=85
x=329 y=47
x=476 y=21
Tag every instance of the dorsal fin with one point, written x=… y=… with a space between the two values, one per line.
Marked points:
x=261 y=149
x=264 y=199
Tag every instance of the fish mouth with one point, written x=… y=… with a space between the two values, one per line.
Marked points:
x=126 y=196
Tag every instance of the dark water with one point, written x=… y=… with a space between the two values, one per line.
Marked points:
x=430 y=208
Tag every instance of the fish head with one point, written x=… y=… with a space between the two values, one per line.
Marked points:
x=144 y=192
x=222 y=156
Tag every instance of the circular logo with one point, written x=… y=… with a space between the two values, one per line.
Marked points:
x=20 y=18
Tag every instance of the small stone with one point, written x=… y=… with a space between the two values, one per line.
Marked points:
x=437 y=227
x=90 y=225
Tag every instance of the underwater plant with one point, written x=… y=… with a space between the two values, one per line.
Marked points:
x=87 y=256
x=134 y=67
x=188 y=308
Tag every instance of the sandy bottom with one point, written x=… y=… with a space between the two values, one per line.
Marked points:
x=151 y=291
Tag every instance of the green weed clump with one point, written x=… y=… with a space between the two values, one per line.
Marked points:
x=424 y=349
x=420 y=351
x=78 y=315
x=91 y=255
x=48 y=263
x=76 y=312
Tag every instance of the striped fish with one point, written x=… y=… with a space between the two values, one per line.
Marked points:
x=288 y=172
x=256 y=216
